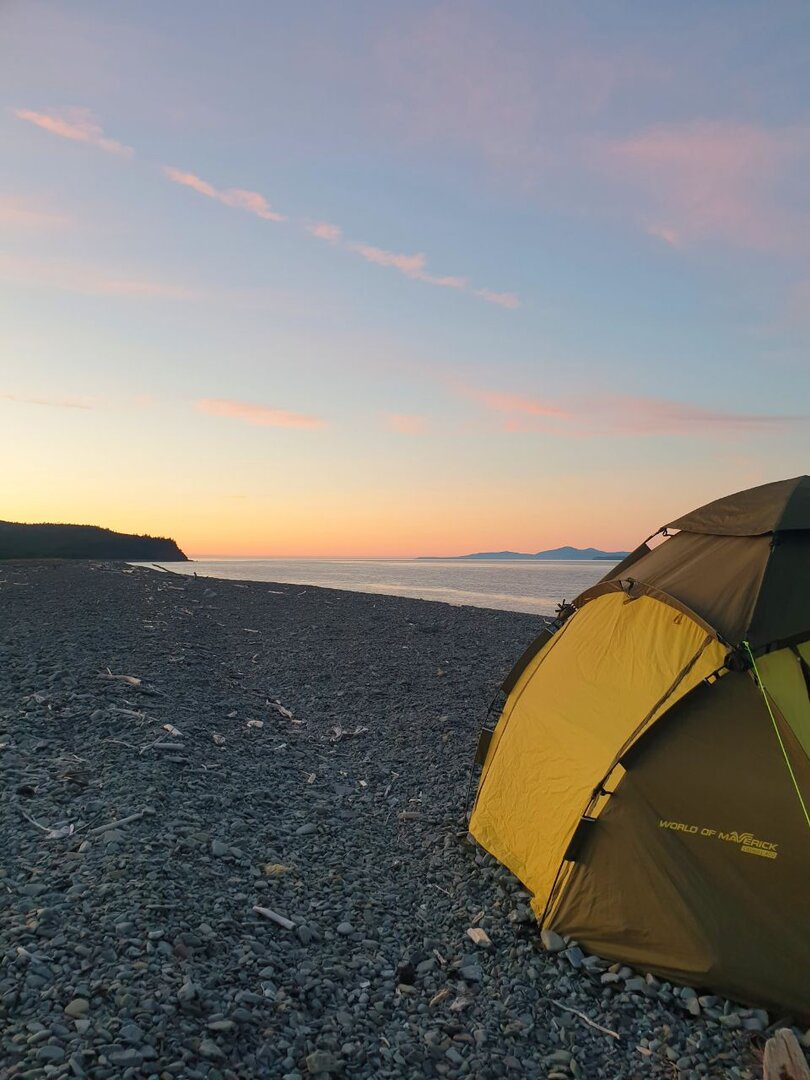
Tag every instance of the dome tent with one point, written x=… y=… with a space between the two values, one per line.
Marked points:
x=649 y=780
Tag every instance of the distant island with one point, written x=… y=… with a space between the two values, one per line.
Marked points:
x=552 y=553
x=19 y=541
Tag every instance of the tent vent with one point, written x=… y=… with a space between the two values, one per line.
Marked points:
x=481 y=751
x=581 y=834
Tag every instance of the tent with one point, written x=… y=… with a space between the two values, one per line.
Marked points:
x=648 y=780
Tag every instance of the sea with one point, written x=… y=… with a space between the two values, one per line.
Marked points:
x=510 y=585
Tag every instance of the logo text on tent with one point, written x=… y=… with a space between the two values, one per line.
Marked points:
x=748 y=843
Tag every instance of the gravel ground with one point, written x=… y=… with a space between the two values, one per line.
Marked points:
x=305 y=751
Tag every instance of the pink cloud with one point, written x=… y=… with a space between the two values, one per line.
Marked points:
x=77 y=124
x=447 y=281
x=410 y=265
x=18 y=213
x=251 y=201
x=190 y=180
x=499 y=401
x=617 y=414
x=324 y=231
x=260 y=415
x=714 y=180
x=71 y=276
x=626 y=414
x=405 y=424
x=504 y=299
x=236 y=198
x=55 y=402
x=415 y=267
x=466 y=74
x=664 y=232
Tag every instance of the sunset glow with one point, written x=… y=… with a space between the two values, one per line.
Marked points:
x=415 y=279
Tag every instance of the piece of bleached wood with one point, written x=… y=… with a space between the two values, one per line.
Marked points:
x=115 y=824
x=784 y=1058
x=130 y=680
x=479 y=937
x=587 y=1020
x=274 y=916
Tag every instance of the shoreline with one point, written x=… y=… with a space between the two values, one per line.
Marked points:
x=533 y=588
x=332 y=795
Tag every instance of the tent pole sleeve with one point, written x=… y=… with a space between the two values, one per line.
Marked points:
x=778 y=733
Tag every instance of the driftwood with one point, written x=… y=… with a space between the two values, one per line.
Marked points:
x=57 y=832
x=784 y=1058
x=130 y=680
x=440 y=996
x=274 y=916
x=165 y=571
x=587 y=1020
x=115 y=824
x=479 y=937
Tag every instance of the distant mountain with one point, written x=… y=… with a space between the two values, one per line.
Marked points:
x=18 y=541
x=553 y=553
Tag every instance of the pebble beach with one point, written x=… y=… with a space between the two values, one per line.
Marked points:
x=234 y=845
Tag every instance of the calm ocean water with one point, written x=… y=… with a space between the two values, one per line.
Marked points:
x=535 y=587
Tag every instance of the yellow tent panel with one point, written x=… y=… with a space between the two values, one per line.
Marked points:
x=615 y=665
x=783 y=678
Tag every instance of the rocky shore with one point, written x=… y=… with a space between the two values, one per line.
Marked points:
x=233 y=846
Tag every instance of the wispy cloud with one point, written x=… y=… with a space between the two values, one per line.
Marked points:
x=444 y=281
x=503 y=299
x=259 y=415
x=616 y=414
x=410 y=265
x=468 y=75
x=77 y=124
x=74 y=276
x=71 y=276
x=236 y=198
x=666 y=233
x=81 y=126
x=714 y=180
x=67 y=402
x=324 y=231
x=405 y=424
x=626 y=414
x=415 y=267
x=24 y=213
x=499 y=401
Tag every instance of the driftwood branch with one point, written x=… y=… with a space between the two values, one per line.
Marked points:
x=273 y=916
x=115 y=824
x=784 y=1058
x=587 y=1020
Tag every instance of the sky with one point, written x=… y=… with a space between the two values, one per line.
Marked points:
x=400 y=278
